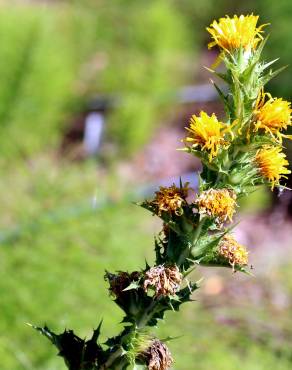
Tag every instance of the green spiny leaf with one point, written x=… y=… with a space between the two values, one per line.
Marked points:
x=271 y=74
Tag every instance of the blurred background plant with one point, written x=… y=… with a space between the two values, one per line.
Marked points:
x=59 y=60
x=53 y=58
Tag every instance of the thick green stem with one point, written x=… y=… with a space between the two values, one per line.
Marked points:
x=112 y=358
x=122 y=364
x=149 y=311
x=196 y=236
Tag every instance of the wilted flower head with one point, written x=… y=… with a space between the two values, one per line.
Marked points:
x=232 y=251
x=171 y=199
x=273 y=116
x=218 y=203
x=233 y=33
x=272 y=162
x=120 y=281
x=207 y=133
x=158 y=356
x=165 y=280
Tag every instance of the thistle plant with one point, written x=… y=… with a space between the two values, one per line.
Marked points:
x=238 y=154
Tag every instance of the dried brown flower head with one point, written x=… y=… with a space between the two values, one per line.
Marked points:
x=119 y=282
x=158 y=356
x=231 y=250
x=164 y=280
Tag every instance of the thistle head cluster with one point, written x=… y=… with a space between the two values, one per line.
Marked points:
x=238 y=153
x=244 y=150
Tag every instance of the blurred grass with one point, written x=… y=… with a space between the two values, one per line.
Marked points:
x=37 y=71
x=61 y=55
x=53 y=273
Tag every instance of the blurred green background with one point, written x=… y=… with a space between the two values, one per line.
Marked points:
x=65 y=218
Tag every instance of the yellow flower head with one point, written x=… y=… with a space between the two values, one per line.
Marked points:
x=272 y=163
x=207 y=133
x=233 y=33
x=232 y=251
x=218 y=203
x=171 y=199
x=273 y=116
